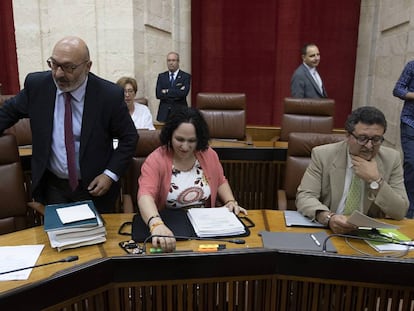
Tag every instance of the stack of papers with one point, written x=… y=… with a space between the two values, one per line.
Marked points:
x=215 y=222
x=73 y=225
x=363 y=221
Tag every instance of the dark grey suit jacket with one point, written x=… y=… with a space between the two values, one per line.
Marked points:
x=302 y=85
x=176 y=97
x=105 y=116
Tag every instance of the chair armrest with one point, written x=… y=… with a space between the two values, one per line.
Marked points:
x=127 y=205
x=281 y=200
x=249 y=140
x=38 y=207
x=275 y=138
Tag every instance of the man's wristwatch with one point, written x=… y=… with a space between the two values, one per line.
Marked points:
x=327 y=219
x=374 y=185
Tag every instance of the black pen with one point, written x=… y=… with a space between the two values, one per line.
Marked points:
x=158 y=250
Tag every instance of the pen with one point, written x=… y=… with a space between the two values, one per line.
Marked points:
x=315 y=240
x=158 y=250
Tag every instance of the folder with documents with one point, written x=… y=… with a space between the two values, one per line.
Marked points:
x=178 y=221
x=73 y=225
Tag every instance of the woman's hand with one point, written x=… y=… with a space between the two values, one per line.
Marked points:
x=167 y=244
x=234 y=207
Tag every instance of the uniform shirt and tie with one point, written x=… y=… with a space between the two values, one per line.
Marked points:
x=173 y=75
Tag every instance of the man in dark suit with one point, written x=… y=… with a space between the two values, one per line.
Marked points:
x=306 y=81
x=74 y=160
x=172 y=88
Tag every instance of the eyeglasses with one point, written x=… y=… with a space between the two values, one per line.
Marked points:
x=69 y=68
x=129 y=91
x=363 y=140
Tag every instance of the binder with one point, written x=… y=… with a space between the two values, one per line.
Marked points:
x=53 y=222
x=175 y=219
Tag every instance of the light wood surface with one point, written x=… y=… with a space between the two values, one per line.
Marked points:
x=271 y=220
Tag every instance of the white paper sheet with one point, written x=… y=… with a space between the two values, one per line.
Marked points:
x=75 y=213
x=16 y=257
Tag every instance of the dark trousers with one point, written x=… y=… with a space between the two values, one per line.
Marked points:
x=57 y=190
x=407 y=144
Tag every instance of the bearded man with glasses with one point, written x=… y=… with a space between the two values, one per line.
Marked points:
x=74 y=117
x=358 y=173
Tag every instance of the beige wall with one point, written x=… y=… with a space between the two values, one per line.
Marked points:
x=132 y=37
x=385 y=44
x=125 y=37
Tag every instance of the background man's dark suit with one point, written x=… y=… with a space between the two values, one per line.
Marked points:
x=105 y=116
x=302 y=84
x=176 y=96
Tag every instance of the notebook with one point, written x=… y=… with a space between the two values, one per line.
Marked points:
x=311 y=241
x=296 y=219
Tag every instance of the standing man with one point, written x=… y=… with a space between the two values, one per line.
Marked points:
x=74 y=117
x=306 y=82
x=404 y=89
x=172 y=88
x=355 y=174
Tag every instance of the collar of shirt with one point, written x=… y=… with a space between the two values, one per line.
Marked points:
x=311 y=69
x=175 y=73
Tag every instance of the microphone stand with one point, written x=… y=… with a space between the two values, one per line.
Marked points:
x=235 y=241
x=67 y=259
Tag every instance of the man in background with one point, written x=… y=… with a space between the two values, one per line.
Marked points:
x=306 y=81
x=74 y=117
x=404 y=89
x=172 y=88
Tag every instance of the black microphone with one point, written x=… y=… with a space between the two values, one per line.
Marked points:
x=67 y=259
x=235 y=241
x=356 y=237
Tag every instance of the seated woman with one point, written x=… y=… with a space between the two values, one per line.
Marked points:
x=183 y=172
x=140 y=113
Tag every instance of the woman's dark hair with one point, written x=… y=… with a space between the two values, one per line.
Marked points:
x=366 y=115
x=186 y=115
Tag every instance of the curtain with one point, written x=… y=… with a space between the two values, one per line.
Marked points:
x=9 y=77
x=253 y=47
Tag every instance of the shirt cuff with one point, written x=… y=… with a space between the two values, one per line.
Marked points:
x=111 y=175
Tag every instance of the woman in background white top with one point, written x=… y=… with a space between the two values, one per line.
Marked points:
x=140 y=113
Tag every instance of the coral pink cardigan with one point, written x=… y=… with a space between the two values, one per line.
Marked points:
x=155 y=178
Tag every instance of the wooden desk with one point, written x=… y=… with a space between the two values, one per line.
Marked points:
x=247 y=278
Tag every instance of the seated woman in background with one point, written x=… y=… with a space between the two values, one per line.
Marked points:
x=183 y=172
x=140 y=113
